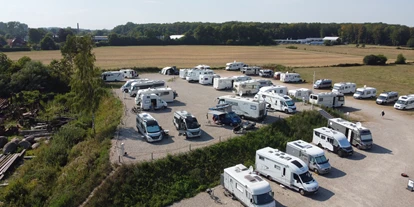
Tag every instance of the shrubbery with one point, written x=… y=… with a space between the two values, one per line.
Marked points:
x=292 y=47
x=400 y=59
x=375 y=60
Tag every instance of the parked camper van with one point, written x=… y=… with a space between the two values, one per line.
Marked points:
x=356 y=134
x=112 y=76
x=328 y=99
x=267 y=73
x=203 y=67
x=129 y=73
x=254 y=70
x=290 y=77
x=183 y=73
x=286 y=170
x=170 y=71
x=323 y=83
x=148 y=127
x=144 y=85
x=344 y=88
x=276 y=75
x=275 y=89
x=247 y=187
x=405 y=102
x=245 y=107
x=241 y=78
x=151 y=101
x=365 y=92
x=166 y=94
x=301 y=93
x=277 y=101
x=235 y=65
x=223 y=114
x=313 y=156
x=194 y=74
x=187 y=122
x=387 y=97
x=125 y=88
x=207 y=79
x=332 y=140
x=246 y=87
x=224 y=83
x=264 y=82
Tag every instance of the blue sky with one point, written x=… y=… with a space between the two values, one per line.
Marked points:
x=100 y=14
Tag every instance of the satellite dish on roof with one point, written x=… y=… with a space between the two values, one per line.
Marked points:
x=358 y=124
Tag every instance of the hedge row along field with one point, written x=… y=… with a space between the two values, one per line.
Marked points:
x=165 y=181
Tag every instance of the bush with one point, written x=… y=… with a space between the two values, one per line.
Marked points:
x=400 y=59
x=292 y=47
x=410 y=42
x=375 y=60
x=327 y=43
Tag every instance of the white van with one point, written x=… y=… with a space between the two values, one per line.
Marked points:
x=148 y=127
x=241 y=78
x=187 y=122
x=112 y=76
x=235 y=65
x=129 y=73
x=290 y=77
x=194 y=74
x=125 y=88
x=277 y=101
x=328 y=99
x=183 y=73
x=224 y=83
x=275 y=89
x=344 y=88
x=387 y=97
x=286 y=170
x=246 y=87
x=405 y=102
x=207 y=79
x=301 y=93
x=268 y=73
x=135 y=86
x=313 y=156
x=202 y=67
x=332 y=140
x=166 y=94
x=365 y=92
x=356 y=134
x=254 y=70
x=151 y=102
x=245 y=107
x=264 y=82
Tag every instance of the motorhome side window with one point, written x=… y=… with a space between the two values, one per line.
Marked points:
x=240 y=188
x=321 y=99
x=277 y=167
x=323 y=137
x=165 y=93
x=296 y=177
x=262 y=158
x=252 y=107
x=330 y=140
x=318 y=134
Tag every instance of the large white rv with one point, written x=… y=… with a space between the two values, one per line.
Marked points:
x=276 y=101
x=286 y=170
x=194 y=74
x=144 y=85
x=301 y=93
x=247 y=187
x=313 y=156
x=387 y=97
x=235 y=65
x=275 y=89
x=254 y=70
x=202 y=67
x=151 y=102
x=183 y=73
x=207 y=79
x=125 y=88
x=290 y=77
x=264 y=82
x=241 y=78
x=109 y=76
x=166 y=94
x=149 y=129
x=356 y=134
x=332 y=140
x=344 y=87
x=268 y=73
x=246 y=87
x=245 y=107
x=224 y=83
x=188 y=123
x=129 y=73
x=328 y=99
x=405 y=102
x=365 y=92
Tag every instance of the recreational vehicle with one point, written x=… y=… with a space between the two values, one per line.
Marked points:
x=241 y=78
x=264 y=82
x=223 y=114
x=125 y=88
x=235 y=65
x=170 y=71
x=112 y=76
x=286 y=170
x=301 y=93
x=247 y=187
x=251 y=70
x=365 y=92
x=356 y=134
x=151 y=102
x=328 y=99
x=148 y=127
x=322 y=83
x=183 y=73
x=144 y=85
x=207 y=79
x=223 y=83
x=332 y=140
x=166 y=94
x=344 y=88
x=313 y=156
x=188 y=123
x=267 y=73
x=276 y=101
x=202 y=67
x=290 y=77
x=275 y=89
x=276 y=75
x=405 y=102
x=387 y=97
x=246 y=87
x=129 y=73
x=245 y=107
x=194 y=74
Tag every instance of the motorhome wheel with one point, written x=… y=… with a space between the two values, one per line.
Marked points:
x=242 y=116
x=316 y=171
x=358 y=146
x=340 y=153
x=319 y=145
x=302 y=192
x=286 y=111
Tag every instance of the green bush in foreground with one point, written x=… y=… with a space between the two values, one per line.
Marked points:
x=375 y=60
x=400 y=59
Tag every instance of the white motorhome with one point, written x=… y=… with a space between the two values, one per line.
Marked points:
x=194 y=74
x=254 y=70
x=247 y=187
x=207 y=79
x=148 y=127
x=332 y=140
x=301 y=93
x=125 y=88
x=246 y=87
x=241 y=78
x=170 y=70
x=202 y=67
x=109 y=76
x=235 y=65
x=268 y=73
x=264 y=82
x=129 y=73
x=356 y=134
x=135 y=86
x=151 y=102
x=290 y=77
x=344 y=87
x=277 y=101
x=245 y=107
x=405 y=102
x=286 y=170
x=313 y=156
x=387 y=97
x=183 y=73
x=275 y=89
x=166 y=94
x=188 y=123
x=224 y=83
x=328 y=99
x=365 y=92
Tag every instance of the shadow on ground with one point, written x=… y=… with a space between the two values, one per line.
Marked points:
x=335 y=173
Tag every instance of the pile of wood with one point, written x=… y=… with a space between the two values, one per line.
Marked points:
x=8 y=161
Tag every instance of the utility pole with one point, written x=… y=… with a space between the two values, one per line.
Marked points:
x=313 y=77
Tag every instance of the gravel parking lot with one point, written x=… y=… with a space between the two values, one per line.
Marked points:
x=368 y=178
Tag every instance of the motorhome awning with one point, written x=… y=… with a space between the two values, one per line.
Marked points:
x=216 y=112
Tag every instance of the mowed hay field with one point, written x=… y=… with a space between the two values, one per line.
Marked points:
x=189 y=56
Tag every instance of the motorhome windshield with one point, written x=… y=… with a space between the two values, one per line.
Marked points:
x=290 y=103
x=343 y=143
x=152 y=127
x=318 y=82
x=263 y=198
x=382 y=97
x=337 y=87
x=402 y=102
x=192 y=123
x=359 y=92
x=321 y=159
x=366 y=135
x=306 y=177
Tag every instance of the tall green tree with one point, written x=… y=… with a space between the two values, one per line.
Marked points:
x=36 y=35
x=48 y=43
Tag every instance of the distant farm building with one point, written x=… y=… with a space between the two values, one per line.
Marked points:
x=176 y=37
x=16 y=42
x=308 y=41
x=99 y=38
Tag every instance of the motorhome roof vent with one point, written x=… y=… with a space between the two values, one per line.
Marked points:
x=270 y=151
x=250 y=178
x=288 y=158
x=258 y=178
x=295 y=162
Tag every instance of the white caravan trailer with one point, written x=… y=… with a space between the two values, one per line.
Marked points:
x=151 y=102
x=245 y=107
x=313 y=156
x=241 y=78
x=125 y=88
x=387 y=97
x=286 y=170
x=254 y=70
x=332 y=140
x=344 y=87
x=183 y=73
x=264 y=82
x=246 y=87
x=235 y=65
x=194 y=74
x=277 y=101
x=301 y=93
x=166 y=94
x=266 y=73
x=188 y=123
x=144 y=85
x=275 y=89
x=247 y=187
x=328 y=99
x=112 y=76
x=356 y=134
x=205 y=67
x=207 y=79
x=224 y=83
x=365 y=92
x=290 y=77
x=129 y=73
x=405 y=102
x=148 y=127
